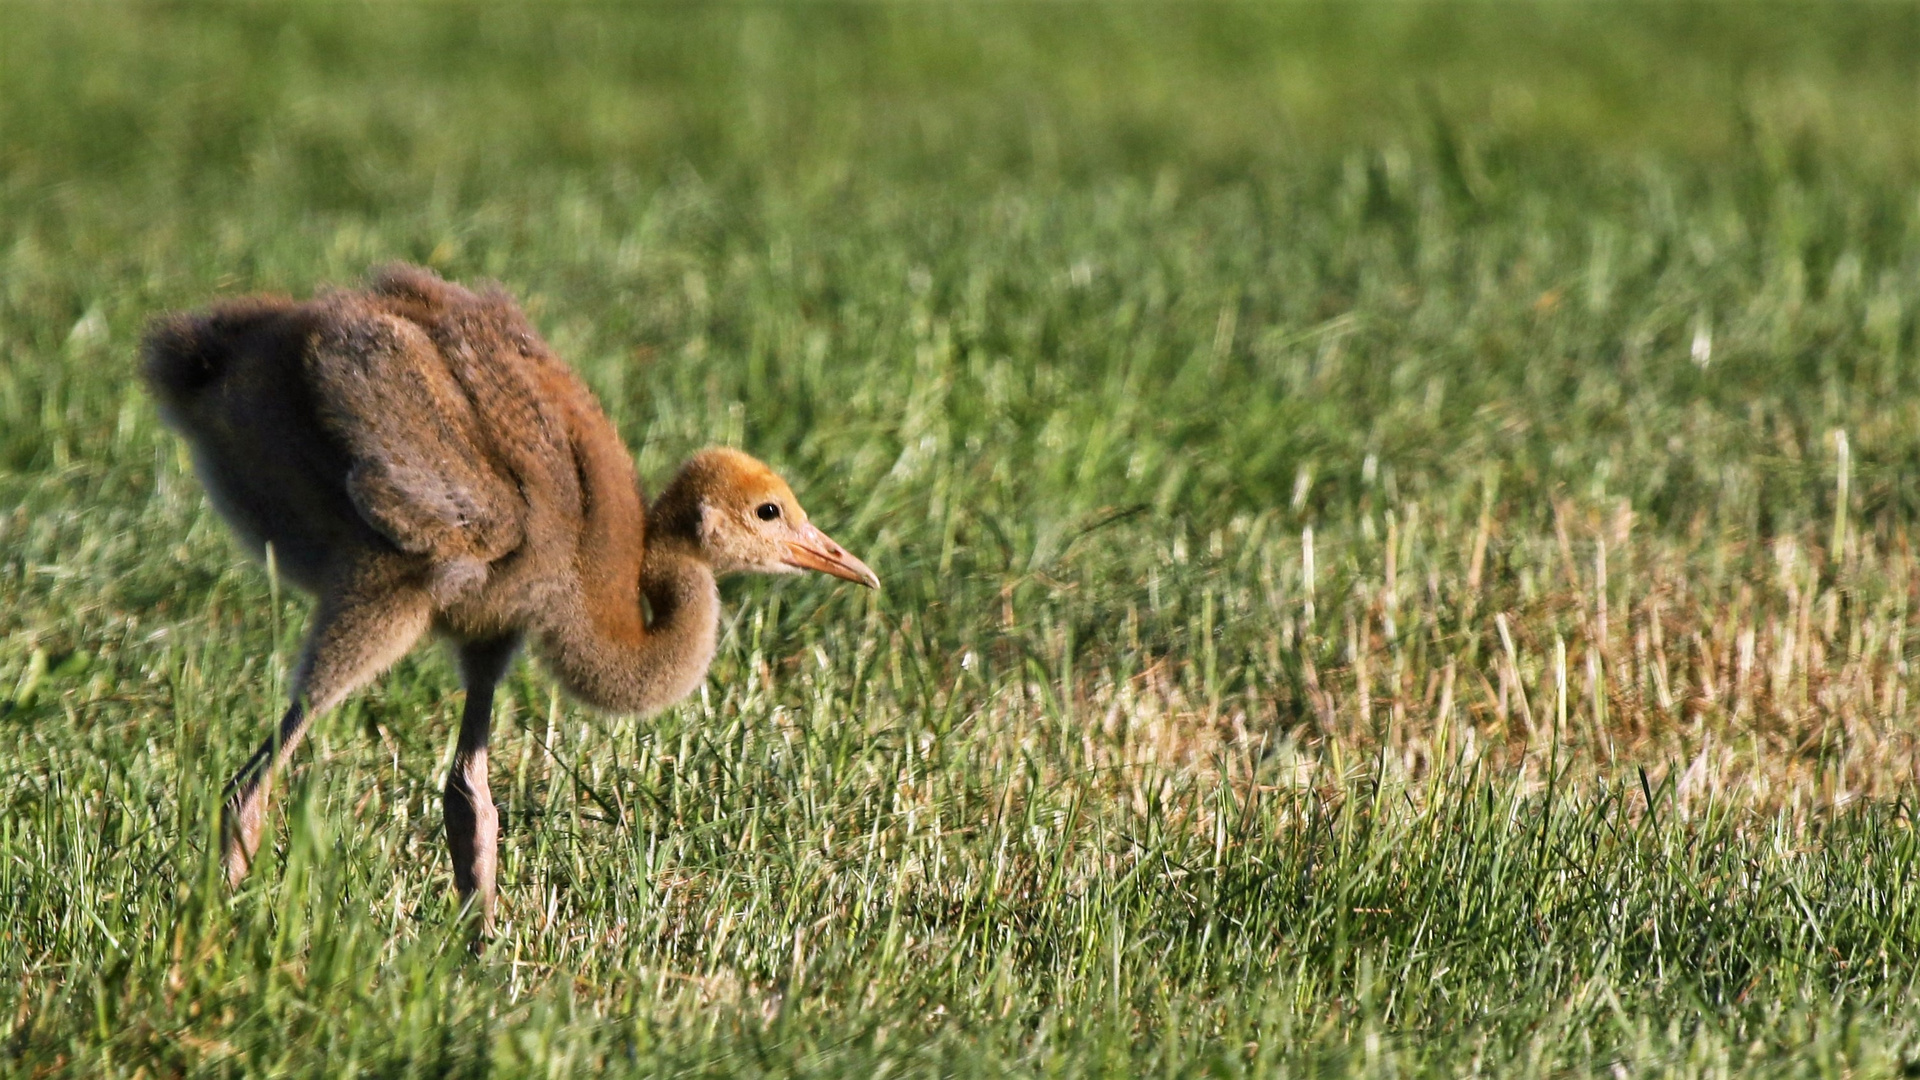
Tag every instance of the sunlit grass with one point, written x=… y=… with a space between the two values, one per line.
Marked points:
x=1395 y=521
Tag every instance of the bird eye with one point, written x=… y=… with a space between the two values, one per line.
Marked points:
x=768 y=511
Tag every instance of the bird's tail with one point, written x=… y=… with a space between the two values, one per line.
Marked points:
x=181 y=355
x=178 y=360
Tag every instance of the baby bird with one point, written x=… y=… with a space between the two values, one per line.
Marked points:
x=417 y=458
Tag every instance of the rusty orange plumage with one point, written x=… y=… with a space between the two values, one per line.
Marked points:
x=419 y=459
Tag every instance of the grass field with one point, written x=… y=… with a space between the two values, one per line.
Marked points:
x=1398 y=527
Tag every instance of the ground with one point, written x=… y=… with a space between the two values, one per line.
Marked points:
x=1397 y=527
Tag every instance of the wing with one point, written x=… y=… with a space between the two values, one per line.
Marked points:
x=421 y=471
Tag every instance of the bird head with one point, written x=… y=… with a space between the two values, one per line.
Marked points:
x=742 y=518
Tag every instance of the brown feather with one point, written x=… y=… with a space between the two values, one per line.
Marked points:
x=416 y=456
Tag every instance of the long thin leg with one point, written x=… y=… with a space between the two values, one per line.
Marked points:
x=357 y=633
x=473 y=825
x=246 y=795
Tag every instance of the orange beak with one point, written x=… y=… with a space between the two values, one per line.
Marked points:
x=815 y=550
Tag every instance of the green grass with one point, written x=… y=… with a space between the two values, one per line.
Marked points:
x=1397 y=524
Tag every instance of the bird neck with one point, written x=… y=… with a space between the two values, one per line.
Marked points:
x=602 y=649
x=663 y=662
x=681 y=593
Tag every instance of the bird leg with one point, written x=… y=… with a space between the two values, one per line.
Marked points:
x=473 y=825
x=246 y=794
x=357 y=633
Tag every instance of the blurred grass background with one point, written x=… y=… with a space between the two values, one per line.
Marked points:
x=1396 y=521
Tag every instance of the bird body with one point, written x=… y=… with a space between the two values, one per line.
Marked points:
x=417 y=458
